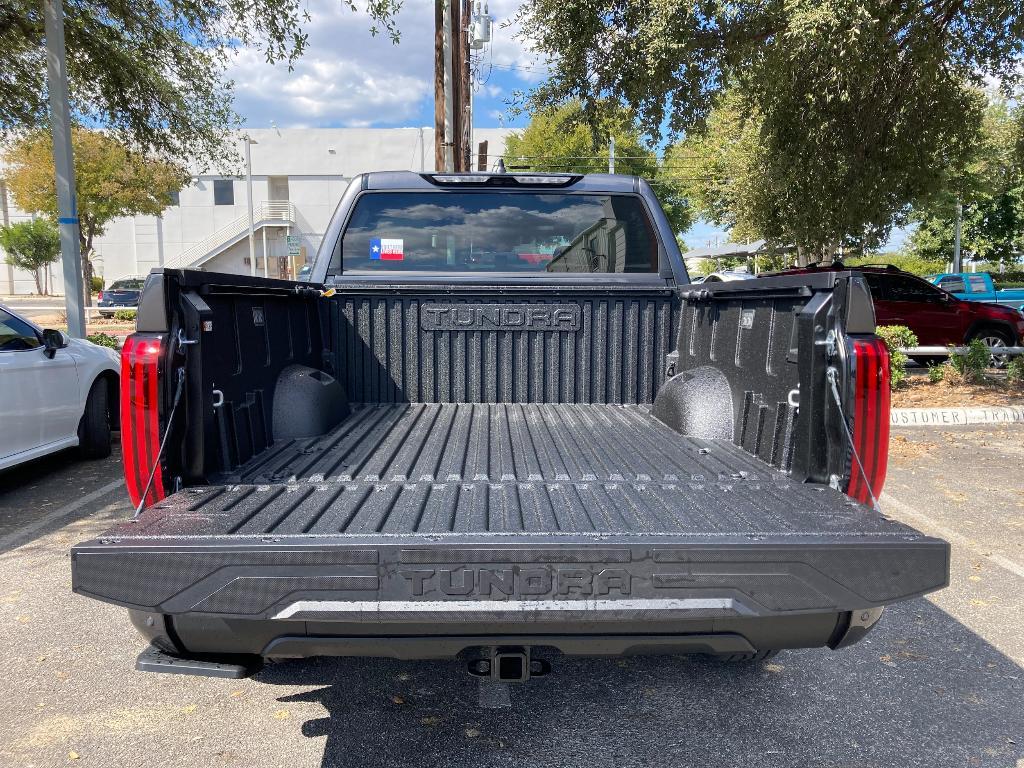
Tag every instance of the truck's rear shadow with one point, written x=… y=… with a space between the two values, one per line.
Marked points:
x=924 y=691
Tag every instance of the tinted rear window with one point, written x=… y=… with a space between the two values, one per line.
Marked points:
x=126 y=285
x=499 y=232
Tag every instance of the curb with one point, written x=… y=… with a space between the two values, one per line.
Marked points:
x=953 y=417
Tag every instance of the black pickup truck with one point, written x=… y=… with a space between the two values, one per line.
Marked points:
x=498 y=423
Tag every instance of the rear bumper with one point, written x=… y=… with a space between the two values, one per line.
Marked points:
x=522 y=583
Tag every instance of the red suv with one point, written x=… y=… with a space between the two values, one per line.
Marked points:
x=937 y=317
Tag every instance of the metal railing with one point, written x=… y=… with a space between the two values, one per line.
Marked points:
x=947 y=351
x=271 y=212
x=59 y=309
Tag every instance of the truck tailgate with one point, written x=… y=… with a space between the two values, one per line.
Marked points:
x=512 y=513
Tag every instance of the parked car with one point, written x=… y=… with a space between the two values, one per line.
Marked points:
x=55 y=392
x=728 y=275
x=435 y=447
x=978 y=286
x=122 y=294
x=937 y=317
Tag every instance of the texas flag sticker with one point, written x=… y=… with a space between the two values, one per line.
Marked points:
x=388 y=249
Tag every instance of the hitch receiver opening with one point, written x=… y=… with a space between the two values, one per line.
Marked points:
x=508 y=665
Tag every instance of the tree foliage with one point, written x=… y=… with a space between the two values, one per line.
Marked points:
x=152 y=72
x=990 y=188
x=31 y=245
x=110 y=181
x=562 y=139
x=860 y=108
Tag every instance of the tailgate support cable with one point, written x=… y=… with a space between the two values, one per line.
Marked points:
x=832 y=375
x=163 y=442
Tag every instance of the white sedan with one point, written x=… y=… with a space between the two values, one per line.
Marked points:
x=55 y=392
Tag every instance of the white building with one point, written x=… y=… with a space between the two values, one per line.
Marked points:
x=298 y=176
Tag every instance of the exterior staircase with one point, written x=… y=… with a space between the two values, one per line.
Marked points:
x=272 y=213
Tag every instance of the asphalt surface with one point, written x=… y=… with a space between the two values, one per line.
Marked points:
x=938 y=683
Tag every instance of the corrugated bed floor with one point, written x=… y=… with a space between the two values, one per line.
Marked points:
x=432 y=468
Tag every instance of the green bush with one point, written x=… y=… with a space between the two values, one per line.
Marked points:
x=96 y=284
x=935 y=373
x=1015 y=370
x=125 y=315
x=895 y=338
x=973 y=364
x=104 y=340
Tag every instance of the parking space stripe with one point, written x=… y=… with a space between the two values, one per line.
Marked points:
x=24 y=534
x=910 y=515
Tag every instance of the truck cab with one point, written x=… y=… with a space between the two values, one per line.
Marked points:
x=979 y=286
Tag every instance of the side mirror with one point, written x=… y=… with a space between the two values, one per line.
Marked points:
x=52 y=341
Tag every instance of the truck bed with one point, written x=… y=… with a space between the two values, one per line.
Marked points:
x=398 y=513
x=507 y=468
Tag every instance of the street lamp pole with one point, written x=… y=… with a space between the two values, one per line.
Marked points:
x=252 y=232
x=63 y=162
x=957 y=259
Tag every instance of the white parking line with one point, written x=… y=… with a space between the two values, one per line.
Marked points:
x=24 y=534
x=909 y=514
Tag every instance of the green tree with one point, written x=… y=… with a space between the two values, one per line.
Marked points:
x=152 y=72
x=111 y=181
x=563 y=139
x=990 y=188
x=31 y=245
x=721 y=171
x=861 y=107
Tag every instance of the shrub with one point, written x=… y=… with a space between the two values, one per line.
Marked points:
x=973 y=364
x=125 y=315
x=935 y=373
x=96 y=283
x=1015 y=370
x=895 y=338
x=104 y=340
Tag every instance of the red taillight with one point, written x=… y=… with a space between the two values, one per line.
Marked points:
x=99 y=296
x=140 y=416
x=870 y=419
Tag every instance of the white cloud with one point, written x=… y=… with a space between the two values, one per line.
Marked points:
x=509 y=49
x=349 y=78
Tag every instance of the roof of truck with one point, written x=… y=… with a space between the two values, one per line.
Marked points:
x=576 y=182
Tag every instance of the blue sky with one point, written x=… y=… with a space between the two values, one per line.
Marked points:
x=347 y=78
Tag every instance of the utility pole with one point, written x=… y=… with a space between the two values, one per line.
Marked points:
x=442 y=84
x=481 y=157
x=611 y=154
x=465 y=89
x=63 y=163
x=957 y=260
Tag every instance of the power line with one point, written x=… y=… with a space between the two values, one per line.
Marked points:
x=519 y=67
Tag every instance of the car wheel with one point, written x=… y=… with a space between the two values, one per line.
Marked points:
x=993 y=338
x=94 y=428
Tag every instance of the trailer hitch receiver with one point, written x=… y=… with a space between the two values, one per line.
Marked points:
x=508 y=664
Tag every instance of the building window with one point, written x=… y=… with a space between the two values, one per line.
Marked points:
x=174 y=198
x=223 y=192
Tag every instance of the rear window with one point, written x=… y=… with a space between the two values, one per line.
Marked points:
x=498 y=232
x=126 y=285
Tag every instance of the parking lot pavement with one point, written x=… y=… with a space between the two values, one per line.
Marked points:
x=939 y=683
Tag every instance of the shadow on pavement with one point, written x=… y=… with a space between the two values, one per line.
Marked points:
x=925 y=691
x=34 y=494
